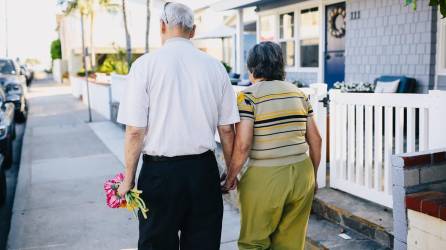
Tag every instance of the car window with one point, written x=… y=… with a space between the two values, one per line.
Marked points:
x=6 y=67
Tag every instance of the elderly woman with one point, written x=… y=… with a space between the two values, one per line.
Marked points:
x=276 y=131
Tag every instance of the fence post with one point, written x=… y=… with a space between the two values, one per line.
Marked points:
x=437 y=119
x=319 y=93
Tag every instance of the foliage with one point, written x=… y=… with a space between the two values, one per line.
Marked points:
x=300 y=84
x=360 y=87
x=441 y=4
x=115 y=63
x=86 y=7
x=56 y=50
x=81 y=72
x=227 y=67
x=32 y=61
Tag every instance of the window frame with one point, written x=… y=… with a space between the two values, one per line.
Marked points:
x=441 y=51
x=296 y=9
x=292 y=39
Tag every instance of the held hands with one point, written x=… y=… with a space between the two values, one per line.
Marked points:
x=228 y=183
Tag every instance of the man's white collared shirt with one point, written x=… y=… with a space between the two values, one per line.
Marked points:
x=181 y=95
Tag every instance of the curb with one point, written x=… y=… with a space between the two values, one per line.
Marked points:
x=22 y=190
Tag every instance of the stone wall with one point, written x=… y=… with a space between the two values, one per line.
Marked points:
x=414 y=173
x=391 y=39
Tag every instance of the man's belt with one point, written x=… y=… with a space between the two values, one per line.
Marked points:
x=176 y=158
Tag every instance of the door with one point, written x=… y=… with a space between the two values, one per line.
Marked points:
x=335 y=28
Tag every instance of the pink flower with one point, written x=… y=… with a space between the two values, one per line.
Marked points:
x=110 y=188
x=114 y=201
x=119 y=178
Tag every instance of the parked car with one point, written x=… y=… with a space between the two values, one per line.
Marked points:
x=14 y=83
x=28 y=73
x=15 y=94
x=3 y=185
x=7 y=129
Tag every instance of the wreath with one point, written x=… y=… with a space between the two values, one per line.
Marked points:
x=337 y=32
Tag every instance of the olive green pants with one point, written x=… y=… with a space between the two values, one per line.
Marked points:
x=275 y=206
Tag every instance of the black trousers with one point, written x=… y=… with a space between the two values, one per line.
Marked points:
x=185 y=204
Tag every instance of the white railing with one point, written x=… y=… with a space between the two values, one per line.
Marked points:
x=367 y=129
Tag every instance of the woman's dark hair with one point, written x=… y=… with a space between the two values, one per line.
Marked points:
x=266 y=61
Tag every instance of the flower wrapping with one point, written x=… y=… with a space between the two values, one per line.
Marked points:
x=132 y=200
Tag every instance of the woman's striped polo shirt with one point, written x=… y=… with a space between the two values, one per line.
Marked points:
x=280 y=112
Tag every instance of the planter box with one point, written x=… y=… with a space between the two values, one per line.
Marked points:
x=118 y=83
x=76 y=86
x=100 y=98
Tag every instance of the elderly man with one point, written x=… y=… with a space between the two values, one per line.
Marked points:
x=176 y=99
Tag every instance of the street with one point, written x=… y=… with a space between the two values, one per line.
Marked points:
x=11 y=180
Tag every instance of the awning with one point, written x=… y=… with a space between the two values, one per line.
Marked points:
x=223 y=5
x=222 y=31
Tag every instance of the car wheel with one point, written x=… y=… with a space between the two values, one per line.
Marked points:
x=2 y=187
x=7 y=163
x=14 y=133
x=21 y=116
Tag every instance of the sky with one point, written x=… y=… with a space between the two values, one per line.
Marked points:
x=32 y=24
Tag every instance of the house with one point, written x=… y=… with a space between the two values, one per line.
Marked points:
x=353 y=40
x=363 y=204
x=216 y=34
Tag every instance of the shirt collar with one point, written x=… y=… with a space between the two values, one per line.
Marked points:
x=178 y=40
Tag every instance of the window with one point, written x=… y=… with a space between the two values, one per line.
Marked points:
x=442 y=49
x=309 y=38
x=267 y=28
x=286 y=37
x=297 y=31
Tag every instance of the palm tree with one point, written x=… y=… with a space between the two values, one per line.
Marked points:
x=147 y=26
x=127 y=34
x=88 y=8
x=85 y=8
x=109 y=6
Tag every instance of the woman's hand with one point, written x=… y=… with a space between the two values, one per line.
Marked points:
x=230 y=184
x=316 y=187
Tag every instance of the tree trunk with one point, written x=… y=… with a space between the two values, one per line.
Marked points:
x=92 y=53
x=147 y=26
x=127 y=34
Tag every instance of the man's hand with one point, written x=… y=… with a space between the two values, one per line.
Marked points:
x=124 y=188
x=230 y=184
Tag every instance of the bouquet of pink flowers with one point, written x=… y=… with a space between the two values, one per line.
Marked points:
x=131 y=201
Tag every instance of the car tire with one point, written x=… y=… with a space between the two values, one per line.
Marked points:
x=14 y=133
x=7 y=163
x=2 y=187
x=21 y=116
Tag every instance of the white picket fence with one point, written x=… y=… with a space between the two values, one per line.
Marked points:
x=367 y=129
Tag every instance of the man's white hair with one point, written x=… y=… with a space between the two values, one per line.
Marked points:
x=177 y=14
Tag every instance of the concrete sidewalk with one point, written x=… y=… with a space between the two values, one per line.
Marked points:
x=59 y=201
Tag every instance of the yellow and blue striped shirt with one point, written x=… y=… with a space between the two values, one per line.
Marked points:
x=280 y=112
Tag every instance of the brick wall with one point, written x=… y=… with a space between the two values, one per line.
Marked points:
x=390 y=39
x=414 y=173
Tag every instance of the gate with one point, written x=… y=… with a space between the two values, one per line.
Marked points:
x=366 y=130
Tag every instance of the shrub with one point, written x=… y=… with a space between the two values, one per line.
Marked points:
x=227 y=67
x=115 y=63
x=56 y=50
